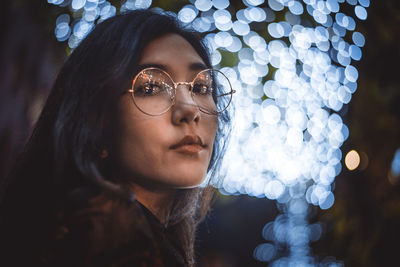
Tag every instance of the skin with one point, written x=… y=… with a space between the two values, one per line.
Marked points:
x=144 y=151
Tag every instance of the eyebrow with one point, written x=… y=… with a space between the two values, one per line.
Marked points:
x=197 y=66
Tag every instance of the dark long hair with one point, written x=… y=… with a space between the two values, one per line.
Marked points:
x=61 y=168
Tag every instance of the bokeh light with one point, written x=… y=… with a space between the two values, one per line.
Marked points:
x=395 y=167
x=394 y=173
x=352 y=160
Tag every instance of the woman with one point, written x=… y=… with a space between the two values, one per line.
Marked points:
x=110 y=174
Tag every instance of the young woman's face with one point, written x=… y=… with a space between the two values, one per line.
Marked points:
x=172 y=150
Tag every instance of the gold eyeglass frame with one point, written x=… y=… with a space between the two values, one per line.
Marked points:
x=176 y=86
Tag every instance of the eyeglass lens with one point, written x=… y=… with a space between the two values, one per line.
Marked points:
x=153 y=91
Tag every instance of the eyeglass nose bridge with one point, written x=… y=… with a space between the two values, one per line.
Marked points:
x=183 y=83
x=190 y=84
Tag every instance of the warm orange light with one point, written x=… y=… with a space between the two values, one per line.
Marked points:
x=352 y=160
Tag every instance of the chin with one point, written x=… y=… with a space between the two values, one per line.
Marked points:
x=189 y=186
x=187 y=176
x=190 y=183
x=186 y=182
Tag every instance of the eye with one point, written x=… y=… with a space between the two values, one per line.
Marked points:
x=148 y=89
x=202 y=89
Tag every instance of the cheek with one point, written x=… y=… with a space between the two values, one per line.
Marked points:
x=135 y=141
x=141 y=143
x=140 y=156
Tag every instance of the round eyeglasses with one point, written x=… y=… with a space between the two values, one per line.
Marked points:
x=154 y=92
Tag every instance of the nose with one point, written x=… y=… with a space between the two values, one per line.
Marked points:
x=185 y=110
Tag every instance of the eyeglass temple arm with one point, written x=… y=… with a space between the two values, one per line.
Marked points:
x=230 y=93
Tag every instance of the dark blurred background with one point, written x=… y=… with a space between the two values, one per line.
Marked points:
x=363 y=226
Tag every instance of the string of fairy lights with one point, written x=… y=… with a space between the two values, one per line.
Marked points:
x=294 y=72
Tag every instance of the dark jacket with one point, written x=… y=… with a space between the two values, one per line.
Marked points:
x=106 y=235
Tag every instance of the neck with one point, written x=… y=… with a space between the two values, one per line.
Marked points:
x=159 y=202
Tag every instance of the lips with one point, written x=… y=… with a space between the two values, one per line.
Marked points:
x=190 y=144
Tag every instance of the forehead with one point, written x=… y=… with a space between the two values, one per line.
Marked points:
x=173 y=52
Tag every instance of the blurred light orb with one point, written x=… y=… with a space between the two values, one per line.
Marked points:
x=343 y=60
x=203 y=5
x=343 y=95
x=355 y=52
x=319 y=16
x=223 y=39
x=321 y=33
x=240 y=16
x=274 y=189
x=215 y=57
x=220 y=4
x=63 y=18
x=82 y=28
x=223 y=26
x=257 y=43
x=264 y=252
x=187 y=14
x=275 y=5
x=230 y=73
x=351 y=73
x=73 y=41
x=78 y=4
x=253 y=2
x=91 y=5
x=352 y=2
x=352 y=160
x=255 y=14
x=91 y=15
x=201 y=24
x=222 y=16
x=364 y=3
x=55 y=2
x=341 y=19
x=142 y=4
x=240 y=28
x=271 y=113
x=109 y=12
x=260 y=70
x=261 y=57
x=396 y=163
x=394 y=173
x=275 y=30
x=332 y=5
x=235 y=46
x=361 y=12
x=295 y=7
x=62 y=31
x=358 y=39
x=327 y=201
